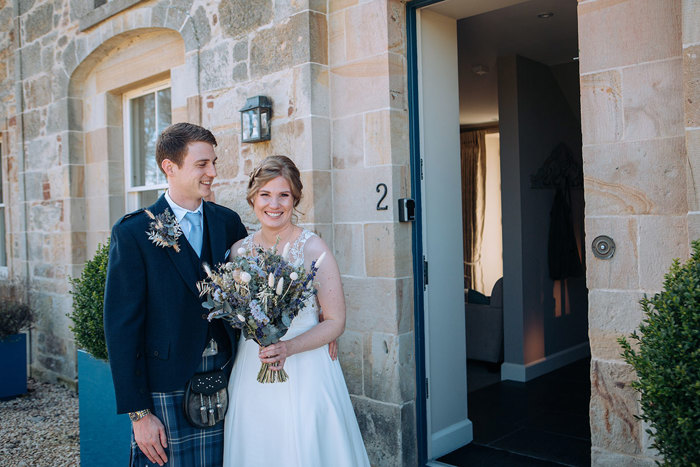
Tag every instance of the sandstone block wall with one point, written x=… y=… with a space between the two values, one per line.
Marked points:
x=638 y=154
x=369 y=146
x=336 y=73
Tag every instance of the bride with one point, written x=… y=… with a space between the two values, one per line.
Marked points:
x=307 y=421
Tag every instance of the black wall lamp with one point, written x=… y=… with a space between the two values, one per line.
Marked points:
x=255 y=119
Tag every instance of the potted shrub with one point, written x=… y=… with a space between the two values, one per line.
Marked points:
x=15 y=316
x=104 y=435
x=665 y=353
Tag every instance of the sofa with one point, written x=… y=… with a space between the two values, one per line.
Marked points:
x=484 y=326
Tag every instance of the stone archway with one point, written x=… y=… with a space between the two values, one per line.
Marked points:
x=139 y=57
x=95 y=173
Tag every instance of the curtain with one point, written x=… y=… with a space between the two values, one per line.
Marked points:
x=473 y=159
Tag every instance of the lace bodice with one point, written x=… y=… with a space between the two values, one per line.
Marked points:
x=308 y=316
x=296 y=250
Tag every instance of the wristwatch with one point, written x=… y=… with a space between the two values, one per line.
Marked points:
x=138 y=415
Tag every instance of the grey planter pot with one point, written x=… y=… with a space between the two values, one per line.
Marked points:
x=104 y=435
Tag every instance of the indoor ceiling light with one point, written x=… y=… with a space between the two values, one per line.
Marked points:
x=545 y=15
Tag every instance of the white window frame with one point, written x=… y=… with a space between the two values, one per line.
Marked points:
x=131 y=192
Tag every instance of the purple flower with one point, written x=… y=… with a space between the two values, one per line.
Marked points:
x=257 y=312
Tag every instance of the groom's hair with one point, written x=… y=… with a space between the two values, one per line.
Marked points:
x=173 y=141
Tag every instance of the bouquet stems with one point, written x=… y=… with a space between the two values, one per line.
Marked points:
x=268 y=375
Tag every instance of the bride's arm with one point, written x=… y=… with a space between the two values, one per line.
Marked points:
x=332 y=301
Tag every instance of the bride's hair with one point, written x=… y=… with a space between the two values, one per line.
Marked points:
x=270 y=168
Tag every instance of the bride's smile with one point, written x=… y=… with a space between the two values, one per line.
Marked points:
x=274 y=204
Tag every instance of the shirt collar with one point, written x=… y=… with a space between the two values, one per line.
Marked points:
x=179 y=211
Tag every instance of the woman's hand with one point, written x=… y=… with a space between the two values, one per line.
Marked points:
x=275 y=355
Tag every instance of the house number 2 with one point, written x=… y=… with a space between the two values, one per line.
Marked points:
x=379 y=203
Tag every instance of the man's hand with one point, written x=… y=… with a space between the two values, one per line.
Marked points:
x=333 y=349
x=149 y=434
x=333 y=345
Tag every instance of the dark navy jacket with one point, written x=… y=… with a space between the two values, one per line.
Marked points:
x=153 y=316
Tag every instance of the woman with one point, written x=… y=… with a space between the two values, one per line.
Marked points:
x=308 y=420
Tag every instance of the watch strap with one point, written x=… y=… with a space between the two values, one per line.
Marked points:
x=138 y=415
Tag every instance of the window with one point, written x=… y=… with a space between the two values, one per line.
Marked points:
x=147 y=112
x=3 y=252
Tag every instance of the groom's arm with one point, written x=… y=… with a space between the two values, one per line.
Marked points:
x=236 y=228
x=124 y=316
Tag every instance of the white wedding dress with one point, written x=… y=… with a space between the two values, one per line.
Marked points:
x=307 y=421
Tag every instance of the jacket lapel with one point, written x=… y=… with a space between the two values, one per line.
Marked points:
x=217 y=234
x=181 y=260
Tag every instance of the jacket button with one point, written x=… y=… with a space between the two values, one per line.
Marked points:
x=155 y=352
x=138 y=355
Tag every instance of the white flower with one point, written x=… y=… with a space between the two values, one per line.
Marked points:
x=240 y=251
x=285 y=251
x=213 y=315
x=320 y=259
x=245 y=277
x=271 y=280
x=240 y=316
x=294 y=276
x=207 y=269
x=280 y=285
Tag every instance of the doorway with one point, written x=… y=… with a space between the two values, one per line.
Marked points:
x=504 y=68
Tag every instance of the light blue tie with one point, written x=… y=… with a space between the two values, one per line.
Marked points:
x=195 y=236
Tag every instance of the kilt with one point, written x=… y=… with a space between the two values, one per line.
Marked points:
x=187 y=446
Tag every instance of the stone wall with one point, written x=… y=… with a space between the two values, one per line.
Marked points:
x=336 y=73
x=632 y=56
x=369 y=127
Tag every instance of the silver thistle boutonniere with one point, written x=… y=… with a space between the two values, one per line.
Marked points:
x=165 y=230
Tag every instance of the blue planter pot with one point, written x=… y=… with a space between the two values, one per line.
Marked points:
x=104 y=435
x=13 y=365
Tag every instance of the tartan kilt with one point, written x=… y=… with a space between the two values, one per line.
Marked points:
x=187 y=446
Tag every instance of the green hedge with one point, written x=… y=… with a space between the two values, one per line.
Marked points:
x=88 y=304
x=666 y=356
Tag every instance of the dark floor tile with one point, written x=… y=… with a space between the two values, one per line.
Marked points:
x=576 y=426
x=474 y=455
x=542 y=422
x=543 y=444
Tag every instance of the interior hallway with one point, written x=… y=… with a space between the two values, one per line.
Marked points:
x=543 y=422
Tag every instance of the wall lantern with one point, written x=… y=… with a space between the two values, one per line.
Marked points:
x=255 y=119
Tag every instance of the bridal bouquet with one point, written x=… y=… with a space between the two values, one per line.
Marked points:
x=259 y=292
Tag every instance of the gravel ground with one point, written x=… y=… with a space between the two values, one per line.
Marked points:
x=40 y=429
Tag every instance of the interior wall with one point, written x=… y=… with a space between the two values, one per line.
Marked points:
x=535 y=116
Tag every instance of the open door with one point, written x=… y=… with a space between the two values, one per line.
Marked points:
x=448 y=427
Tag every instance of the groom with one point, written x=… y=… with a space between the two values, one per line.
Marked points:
x=156 y=335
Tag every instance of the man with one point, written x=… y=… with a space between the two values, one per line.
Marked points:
x=156 y=333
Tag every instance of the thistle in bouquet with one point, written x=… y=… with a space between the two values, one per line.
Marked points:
x=259 y=292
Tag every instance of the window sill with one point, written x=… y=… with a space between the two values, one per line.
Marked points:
x=105 y=11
